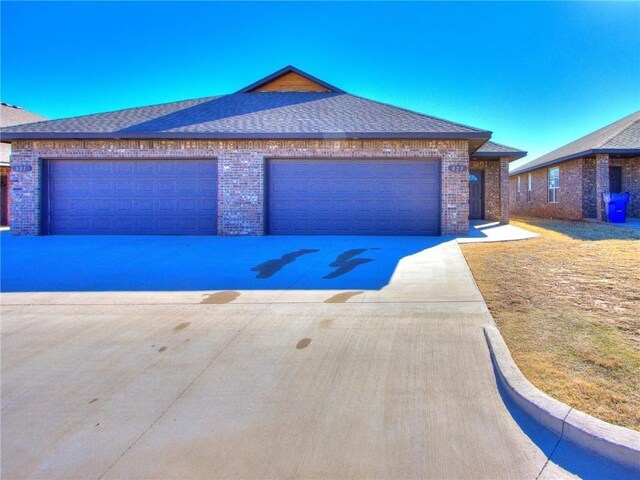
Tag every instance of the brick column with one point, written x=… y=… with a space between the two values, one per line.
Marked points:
x=504 y=189
x=25 y=193
x=241 y=193
x=602 y=184
x=455 y=193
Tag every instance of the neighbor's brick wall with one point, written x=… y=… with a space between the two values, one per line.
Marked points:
x=241 y=165
x=570 y=202
x=582 y=175
x=589 y=204
x=602 y=184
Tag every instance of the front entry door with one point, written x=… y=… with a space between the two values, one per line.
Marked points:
x=476 y=195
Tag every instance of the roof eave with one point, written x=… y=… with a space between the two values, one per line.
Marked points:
x=514 y=155
x=7 y=137
x=585 y=153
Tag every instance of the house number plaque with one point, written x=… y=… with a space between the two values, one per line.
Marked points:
x=458 y=168
x=21 y=168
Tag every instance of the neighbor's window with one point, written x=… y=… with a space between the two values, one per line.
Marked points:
x=518 y=187
x=529 y=192
x=554 y=184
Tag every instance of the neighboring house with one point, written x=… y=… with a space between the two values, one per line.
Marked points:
x=569 y=182
x=288 y=154
x=10 y=115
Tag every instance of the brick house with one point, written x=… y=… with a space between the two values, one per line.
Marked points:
x=569 y=182
x=288 y=154
x=10 y=115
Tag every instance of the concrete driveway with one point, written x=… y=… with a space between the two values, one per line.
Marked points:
x=394 y=382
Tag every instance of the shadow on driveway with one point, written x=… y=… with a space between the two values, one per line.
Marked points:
x=182 y=263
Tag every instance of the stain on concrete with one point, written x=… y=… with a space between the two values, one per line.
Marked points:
x=220 y=298
x=342 y=297
x=346 y=261
x=327 y=322
x=93 y=400
x=271 y=267
x=162 y=349
x=181 y=326
x=304 y=343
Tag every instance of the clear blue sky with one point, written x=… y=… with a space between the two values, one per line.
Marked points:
x=537 y=74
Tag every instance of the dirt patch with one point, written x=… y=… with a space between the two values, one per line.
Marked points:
x=162 y=349
x=220 y=298
x=93 y=400
x=567 y=305
x=181 y=326
x=342 y=297
x=304 y=343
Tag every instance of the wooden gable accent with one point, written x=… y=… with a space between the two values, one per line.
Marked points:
x=291 y=82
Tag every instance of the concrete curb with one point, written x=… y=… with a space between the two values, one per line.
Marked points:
x=619 y=444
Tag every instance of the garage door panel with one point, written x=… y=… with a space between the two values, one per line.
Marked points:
x=354 y=197
x=112 y=197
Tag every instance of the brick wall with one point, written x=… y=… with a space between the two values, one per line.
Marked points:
x=570 y=202
x=241 y=166
x=589 y=204
x=579 y=196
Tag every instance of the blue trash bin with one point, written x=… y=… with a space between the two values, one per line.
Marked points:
x=616 y=206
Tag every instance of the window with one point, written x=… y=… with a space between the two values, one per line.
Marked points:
x=518 y=186
x=529 y=191
x=554 y=184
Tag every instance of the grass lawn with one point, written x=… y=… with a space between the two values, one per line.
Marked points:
x=568 y=306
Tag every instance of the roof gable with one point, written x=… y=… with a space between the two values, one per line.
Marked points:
x=291 y=82
x=290 y=79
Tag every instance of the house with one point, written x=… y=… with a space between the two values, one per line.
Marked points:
x=288 y=154
x=569 y=182
x=10 y=115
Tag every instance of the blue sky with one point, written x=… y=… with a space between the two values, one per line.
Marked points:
x=537 y=74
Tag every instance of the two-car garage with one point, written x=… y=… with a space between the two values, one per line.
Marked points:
x=353 y=197
x=302 y=197
x=130 y=197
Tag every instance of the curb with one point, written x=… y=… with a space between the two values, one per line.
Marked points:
x=619 y=444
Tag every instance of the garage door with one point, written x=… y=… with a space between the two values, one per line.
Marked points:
x=130 y=197
x=354 y=197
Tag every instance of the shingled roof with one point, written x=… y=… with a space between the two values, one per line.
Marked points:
x=261 y=115
x=13 y=115
x=619 y=138
x=493 y=150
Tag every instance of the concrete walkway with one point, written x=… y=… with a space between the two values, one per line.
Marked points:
x=389 y=383
x=483 y=231
x=632 y=222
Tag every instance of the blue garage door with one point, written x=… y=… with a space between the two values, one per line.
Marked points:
x=354 y=197
x=131 y=197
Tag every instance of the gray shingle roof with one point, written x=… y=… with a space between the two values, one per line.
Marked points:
x=264 y=114
x=622 y=137
x=13 y=115
x=493 y=149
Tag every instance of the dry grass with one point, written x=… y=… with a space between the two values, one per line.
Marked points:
x=568 y=306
